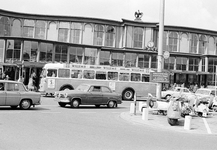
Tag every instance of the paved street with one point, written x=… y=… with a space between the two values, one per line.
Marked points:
x=49 y=126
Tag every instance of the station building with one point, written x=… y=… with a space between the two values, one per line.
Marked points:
x=28 y=41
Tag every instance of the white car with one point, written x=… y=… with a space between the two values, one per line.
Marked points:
x=205 y=92
x=178 y=91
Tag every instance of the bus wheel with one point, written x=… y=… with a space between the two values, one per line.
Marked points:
x=128 y=94
x=65 y=88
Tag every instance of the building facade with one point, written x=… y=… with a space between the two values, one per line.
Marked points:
x=28 y=41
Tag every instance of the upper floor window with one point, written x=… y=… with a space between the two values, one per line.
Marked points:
x=13 y=50
x=193 y=64
x=76 y=32
x=98 y=34
x=90 y=56
x=153 y=61
x=202 y=44
x=117 y=59
x=63 y=35
x=138 y=36
x=40 y=28
x=211 y=46
x=143 y=60
x=193 y=43
x=203 y=64
x=75 y=54
x=173 y=40
x=16 y=28
x=30 y=51
x=130 y=59
x=4 y=26
x=109 y=36
x=28 y=28
x=169 y=63
x=181 y=63
x=104 y=58
x=61 y=53
x=52 y=31
x=46 y=50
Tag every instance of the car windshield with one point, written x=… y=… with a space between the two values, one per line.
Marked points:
x=84 y=88
x=204 y=92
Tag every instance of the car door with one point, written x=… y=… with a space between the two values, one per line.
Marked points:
x=13 y=94
x=107 y=94
x=95 y=95
x=2 y=93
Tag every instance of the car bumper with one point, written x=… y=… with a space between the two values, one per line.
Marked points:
x=63 y=100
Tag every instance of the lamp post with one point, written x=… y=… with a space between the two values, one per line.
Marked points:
x=160 y=47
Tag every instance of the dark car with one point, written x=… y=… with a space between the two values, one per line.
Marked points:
x=88 y=94
x=14 y=94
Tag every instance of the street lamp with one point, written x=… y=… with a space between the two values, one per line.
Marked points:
x=160 y=47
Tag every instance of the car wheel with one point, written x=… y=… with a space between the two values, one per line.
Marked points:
x=25 y=104
x=62 y=104
x=128 y=94
x=13 y=107
x=75 y=103
x=97 y=106
x=111 y=104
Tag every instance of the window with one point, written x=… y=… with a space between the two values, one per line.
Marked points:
x=181 y=63
x=153 y=61
x=13 y=50
x=16 y=28
x=40 y=28
x=138 y=37
x=52 y=32
x=193 y=64
x=12 y=87
x=105 y=89
x=30 y=51
x=104 y=57
x=169 y=63
x=145 y=78
x=101 y=75
x=203 y=64
x=4 y=26
x=95 y=89
x=2 y=86
x=117 y=59
x=135 y=77
x=193 y=42
x=173 y=40
x=89 y=74
x=143 y=61
x=90 y=56
x=130 y=59
x=63 y=35
x=2 y=49
x=28 y=28
x=51 y=73
x=98 y=34
x=64 y=73
x=202 y=44
x=76 y=74
x=61 y=53
x=46 y=52
x=76 y=32
x=112 y=75
x=75 y=54
x=124 y=77
x=110 y=36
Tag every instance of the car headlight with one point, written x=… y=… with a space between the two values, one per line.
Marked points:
x=66 y=95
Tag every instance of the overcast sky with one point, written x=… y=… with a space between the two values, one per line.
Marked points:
x=200 y=14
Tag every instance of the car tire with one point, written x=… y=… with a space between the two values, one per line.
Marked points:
x=62 y=104
x=97 y=106
x=75 y=103
x=25 y=104
x=128 y=94
x=111 y=104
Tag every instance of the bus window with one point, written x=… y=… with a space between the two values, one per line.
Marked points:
x=64 y=73
x=112 y=76
x=124 y=77
x=145 y=78
x=89 y=74
x=76 y=74
x=51 y=73
x=135 y=77
x=101 y=75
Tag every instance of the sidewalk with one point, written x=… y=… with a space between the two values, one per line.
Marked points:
x=199 y=125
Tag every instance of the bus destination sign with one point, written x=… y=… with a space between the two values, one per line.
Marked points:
x=159 y=77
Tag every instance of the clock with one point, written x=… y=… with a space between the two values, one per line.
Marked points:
x=150 y=44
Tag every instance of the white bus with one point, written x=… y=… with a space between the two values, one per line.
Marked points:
x=125 y=81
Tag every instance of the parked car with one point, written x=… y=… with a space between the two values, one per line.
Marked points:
x=14 y=94
x=177 y=91
x=88 y=94
x=205 y=92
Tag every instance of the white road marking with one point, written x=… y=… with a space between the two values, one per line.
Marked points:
x=87 y=112
x=51 y=112
x=207 y=126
